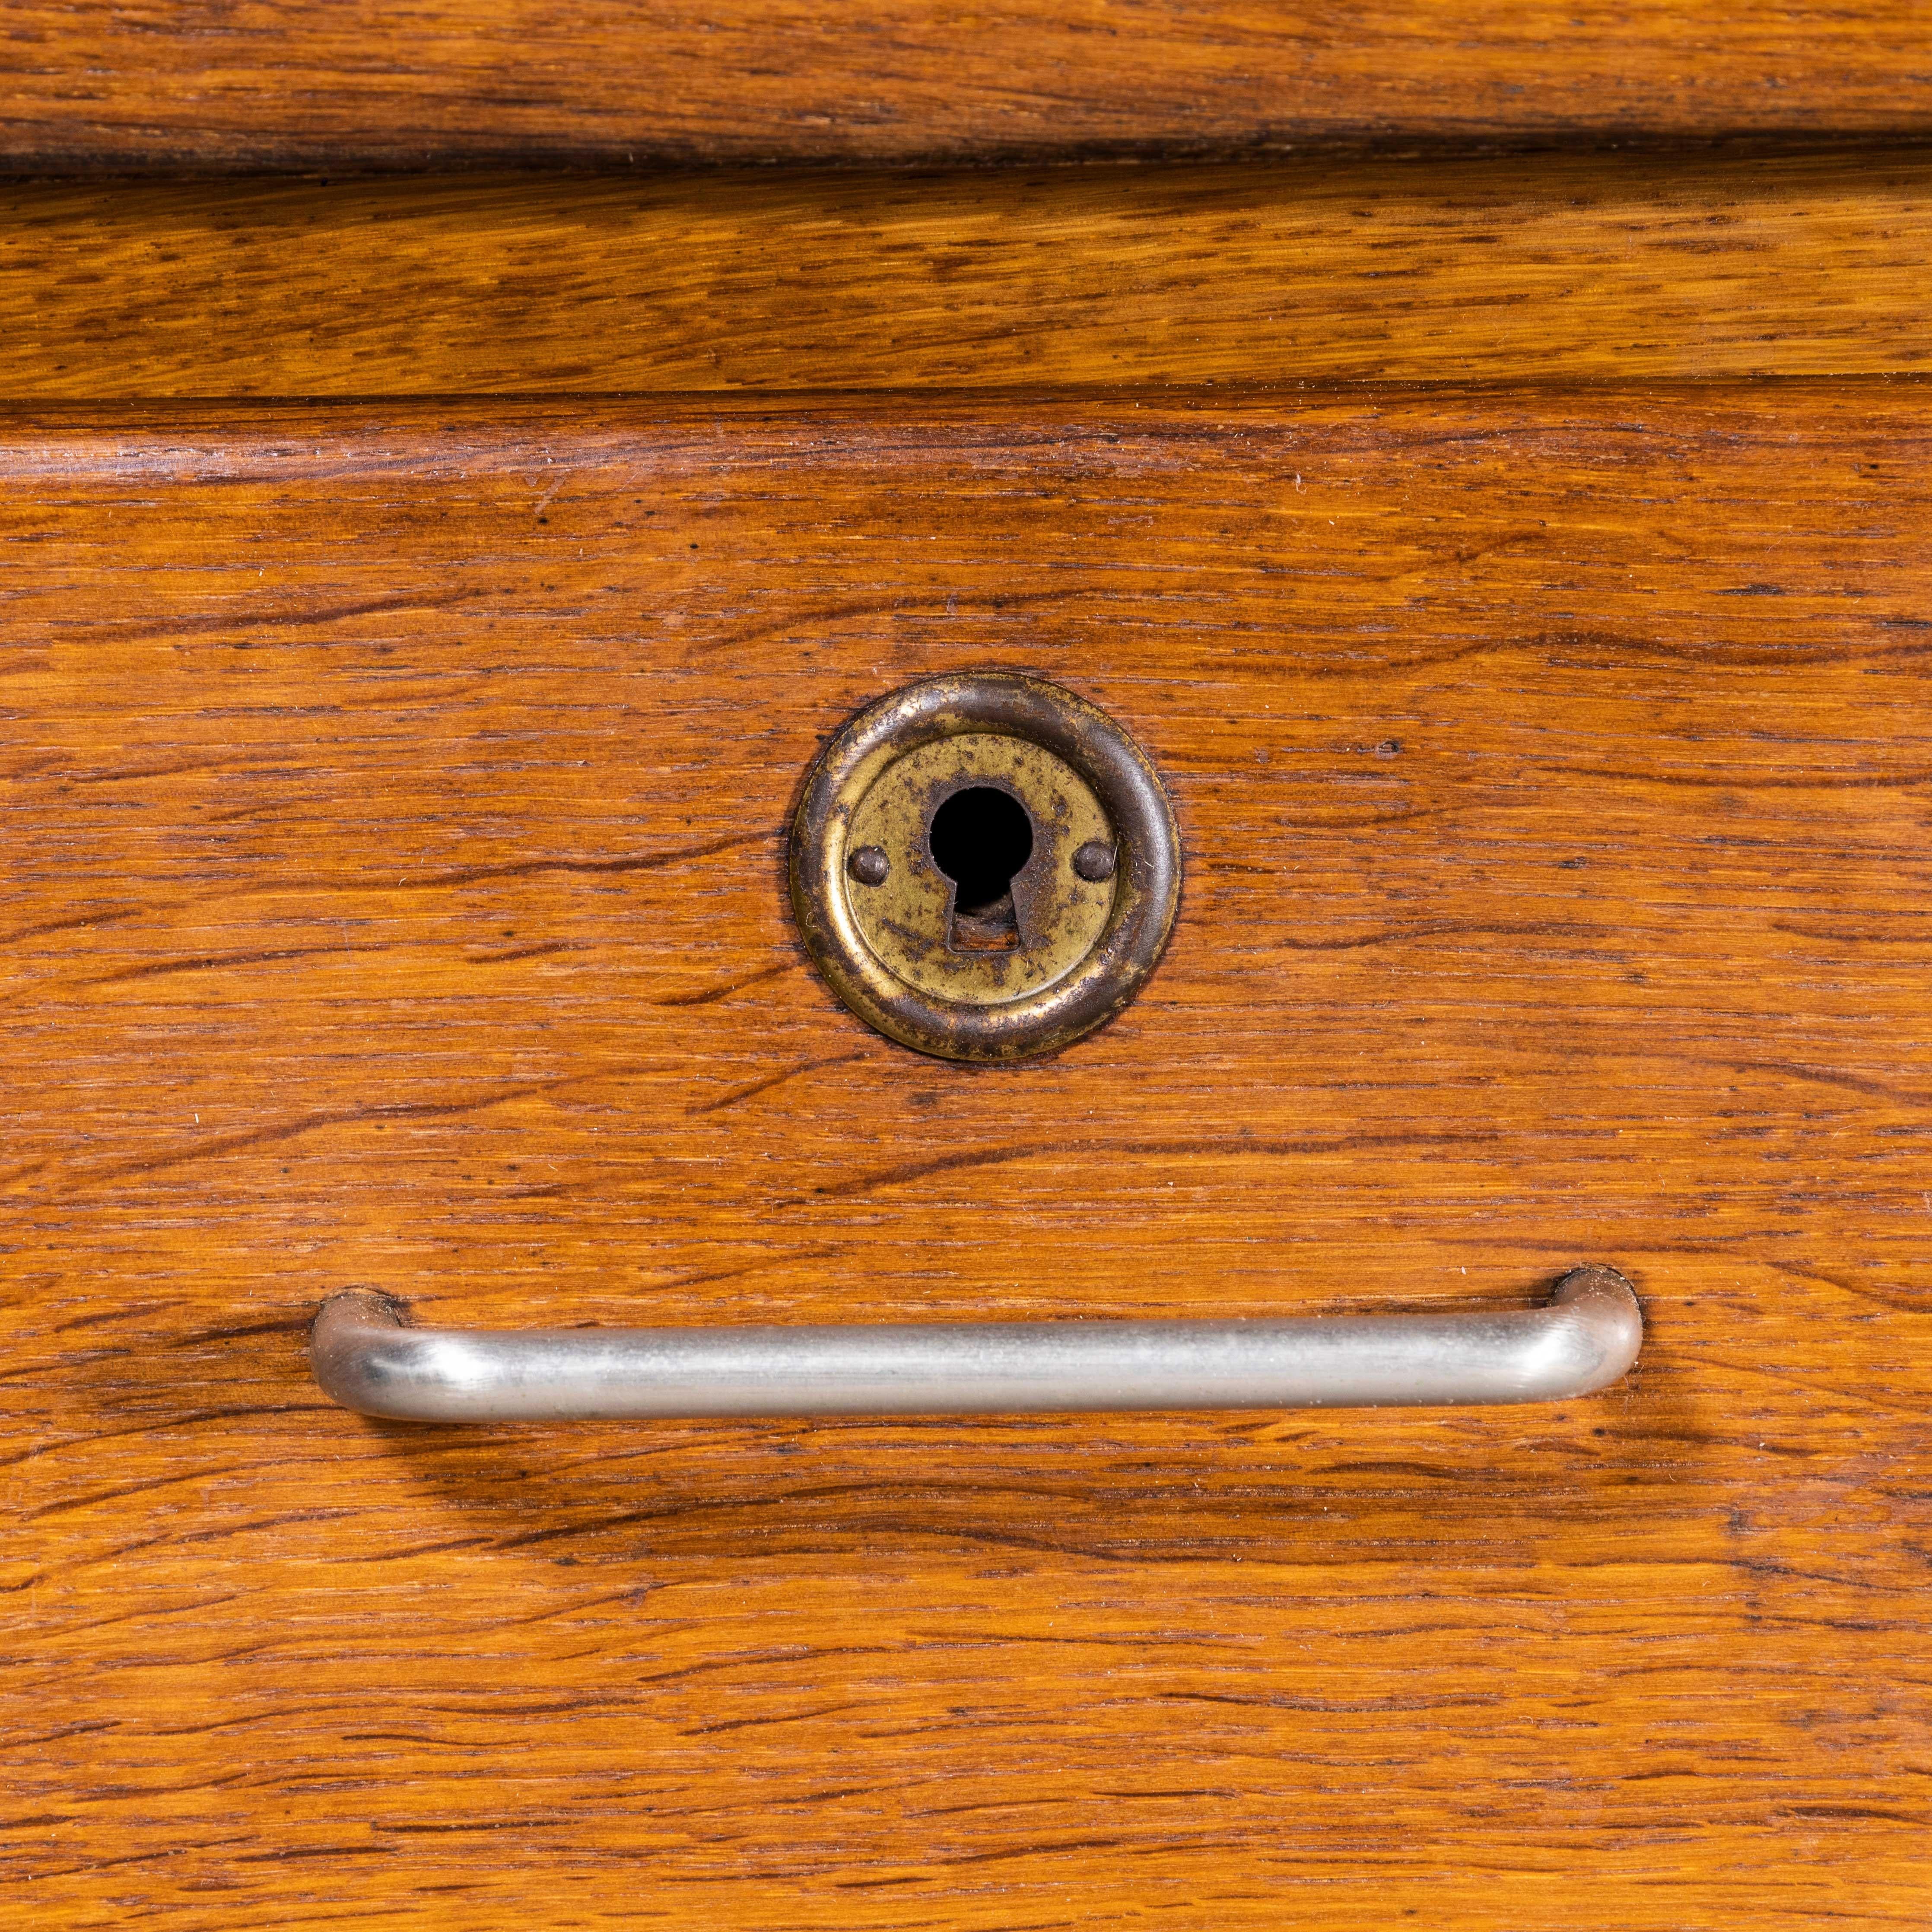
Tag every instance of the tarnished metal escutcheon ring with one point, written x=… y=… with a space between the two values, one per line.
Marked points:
x=1147 y=874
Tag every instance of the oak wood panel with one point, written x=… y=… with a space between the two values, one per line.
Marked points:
x=256 y=83
x=1583 y=267
x=394 y=811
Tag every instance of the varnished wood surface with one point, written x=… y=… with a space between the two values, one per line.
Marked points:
x=395 y=896
x=1601 y=268
x=267 y=83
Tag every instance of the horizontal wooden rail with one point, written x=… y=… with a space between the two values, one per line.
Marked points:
x=356 y=84
x=1578 y=268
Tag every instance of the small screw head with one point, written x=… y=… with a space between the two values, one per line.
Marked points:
x=1094 y=861
x=869 y=865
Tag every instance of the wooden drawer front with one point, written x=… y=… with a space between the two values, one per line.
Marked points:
x=395 y=898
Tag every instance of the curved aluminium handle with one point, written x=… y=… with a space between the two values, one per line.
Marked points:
x=367 y=1357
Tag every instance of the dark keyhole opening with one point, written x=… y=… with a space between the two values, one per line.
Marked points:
x=979 y=838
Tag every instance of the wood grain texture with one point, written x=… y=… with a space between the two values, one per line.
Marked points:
x=395 y=896
x=264 y=83
x=1585 y=268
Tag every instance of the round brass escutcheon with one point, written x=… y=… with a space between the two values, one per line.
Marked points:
x=984 y=867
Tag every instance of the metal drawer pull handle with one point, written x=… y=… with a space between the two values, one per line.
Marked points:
x=367 y=1357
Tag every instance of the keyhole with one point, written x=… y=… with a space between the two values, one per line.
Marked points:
x=980 y=838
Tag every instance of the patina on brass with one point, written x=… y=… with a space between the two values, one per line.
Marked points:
x=908 y=920
x=878 y=913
